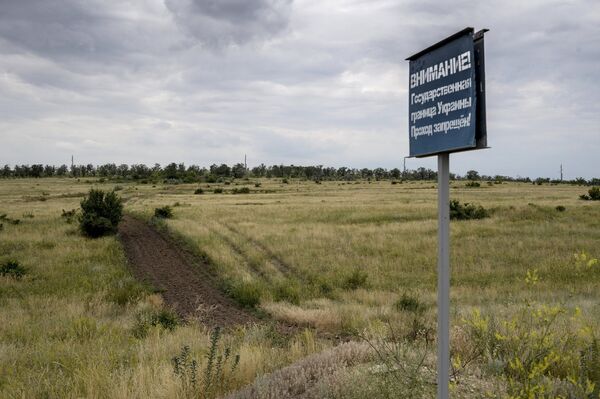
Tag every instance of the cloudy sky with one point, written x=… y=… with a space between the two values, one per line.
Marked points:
x=302 y=82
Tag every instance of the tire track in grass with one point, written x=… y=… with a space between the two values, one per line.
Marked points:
x=236 y=249
x=283 y=267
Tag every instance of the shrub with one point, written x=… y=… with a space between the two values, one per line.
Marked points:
x=467 y=211
x=218 y=190
x=287 y=291
x=164 y=318
x=199 y=191
x=560 y=208
x=241 y=190
x=69 y=215
x=100 y=213
x=592 y=195
x=217 y=376
x=356 y=279
x=246 y=294
x=285 y=181
x=164 y=212
x=256 y=185
x=537 y=352
x=409 y=303
x=12 y=268
x=126 y=291
x=472 y=184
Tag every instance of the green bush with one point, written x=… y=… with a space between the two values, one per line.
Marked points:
x=164 y=318
x=126 y=291
x=100 y=213
x=246 y=294
x=409 y=303
x=12 y=268
x=164 y=212
x=241 y=190
x=538 y=352
x=218 y=190
x=289 y=291
x=560 y=208
x=217 y=376
x=592 y=195
x=199 y=191
x=356 y=279
x=472 y=184
x=69 y=216
x=467 y=211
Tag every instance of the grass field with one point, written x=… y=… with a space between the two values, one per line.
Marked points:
x=349 y=260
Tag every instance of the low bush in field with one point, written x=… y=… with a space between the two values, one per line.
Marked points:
x=560 y=208
x=357 y=279
x=164 y=318
x=592 y=195
x=218 y=190
x=126 y=291
x=246 y=294
x=467 y=211
x=69 y=216
x=217 y=375
x=199 y=191
x=164 y=212
x=100 y=213
x=542 y=351
x=289 y=291
x=538 y=352
x=472 y=184
x=240 y=190
x=12 y=268
x=4 y=218
x=409 y=303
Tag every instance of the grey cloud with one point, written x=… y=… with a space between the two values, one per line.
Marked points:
x=223 y=22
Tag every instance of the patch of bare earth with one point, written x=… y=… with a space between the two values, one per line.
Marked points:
x=185 y=282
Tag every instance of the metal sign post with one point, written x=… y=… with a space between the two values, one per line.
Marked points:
x=447 y=114
x=443 y=299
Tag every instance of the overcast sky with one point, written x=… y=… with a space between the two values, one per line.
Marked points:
x=294 y=82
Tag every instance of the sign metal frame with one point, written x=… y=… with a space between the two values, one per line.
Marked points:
x=476 y=142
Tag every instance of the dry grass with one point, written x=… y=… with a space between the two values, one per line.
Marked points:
x=61 y=334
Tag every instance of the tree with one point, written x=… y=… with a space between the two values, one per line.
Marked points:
x=238 y=170
x=472 y=175
x=100 y=213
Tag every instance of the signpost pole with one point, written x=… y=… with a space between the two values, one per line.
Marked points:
x=443 y=300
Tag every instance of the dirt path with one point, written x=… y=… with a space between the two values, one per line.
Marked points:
x=185 y=282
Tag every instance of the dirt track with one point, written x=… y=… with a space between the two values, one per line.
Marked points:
x=185 y=282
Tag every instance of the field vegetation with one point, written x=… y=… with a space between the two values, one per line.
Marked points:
x=344 y=260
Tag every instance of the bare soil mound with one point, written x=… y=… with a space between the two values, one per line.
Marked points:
x=185 y=282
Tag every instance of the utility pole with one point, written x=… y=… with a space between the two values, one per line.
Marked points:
x=561 y=172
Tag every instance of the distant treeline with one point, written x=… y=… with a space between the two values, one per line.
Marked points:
x=194 y=173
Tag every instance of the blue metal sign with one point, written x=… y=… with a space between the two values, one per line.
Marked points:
x=443 y=96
